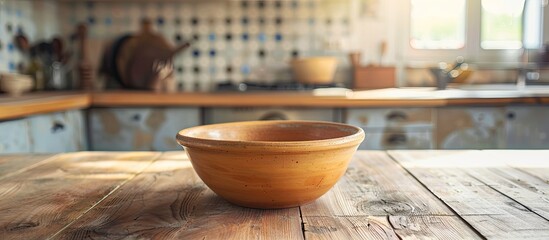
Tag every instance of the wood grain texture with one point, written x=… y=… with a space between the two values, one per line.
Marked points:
x=348 y=228
x=43 y=199
x=17 y=163
x=367 y=189
x=450 y=176
x=168 y=200
x=409 y=195
x=524 y=178
x=431 y=227
x=37 y=103
x=535 y=163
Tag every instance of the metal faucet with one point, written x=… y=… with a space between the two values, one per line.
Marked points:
x=445 y=74
x=526 y=75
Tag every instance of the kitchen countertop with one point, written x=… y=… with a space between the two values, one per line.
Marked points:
x=466 y=194
x=35 y=103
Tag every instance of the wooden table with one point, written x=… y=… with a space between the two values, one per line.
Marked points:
x=384 y=195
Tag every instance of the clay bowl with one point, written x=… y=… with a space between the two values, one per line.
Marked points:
x=15 y=84
x=271 y=164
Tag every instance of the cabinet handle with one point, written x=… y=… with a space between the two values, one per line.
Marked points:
x=274 y=116
x=136 y=117
x=397 y=116
x=397 y=139
x=511 y=115
x=57 y=127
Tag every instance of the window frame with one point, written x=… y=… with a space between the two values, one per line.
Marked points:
x=472 y=51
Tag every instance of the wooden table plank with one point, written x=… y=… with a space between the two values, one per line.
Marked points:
x=348 y=228
x=518 y=175
x=391 y=227
x=42 y=200
x=168 y=200
x=529 y=191
x=375 y=185
x=533 y=162
x=12 y=164
x=431 y=227
x=449 y=175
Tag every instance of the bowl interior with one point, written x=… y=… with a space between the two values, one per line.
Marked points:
x=271 y=131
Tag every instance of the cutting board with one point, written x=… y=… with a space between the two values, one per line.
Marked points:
x=144 y=60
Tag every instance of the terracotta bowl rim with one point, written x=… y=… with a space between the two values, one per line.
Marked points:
x=277 y=146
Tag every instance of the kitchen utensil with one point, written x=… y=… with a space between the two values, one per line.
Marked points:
x=15 y=84
x=314 y=70
x=354 y=58
x=144 y=60
x=22 y=43
x=271 y=164
x=85 y=68
x=58 y=50
x=109 y=59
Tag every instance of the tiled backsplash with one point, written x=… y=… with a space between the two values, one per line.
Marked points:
x=231 y=40
x=37 y=20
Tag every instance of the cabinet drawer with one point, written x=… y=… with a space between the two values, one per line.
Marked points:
x=391 y=117
x=470 y=128
x=14 y=136
x=397 y=140
x=220 y=115
x=132 y=129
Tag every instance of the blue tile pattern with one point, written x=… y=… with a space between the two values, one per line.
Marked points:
x=229 y=38
x=16 y=17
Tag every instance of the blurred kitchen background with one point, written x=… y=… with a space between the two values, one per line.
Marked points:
x=69 y=70
x=254 y=41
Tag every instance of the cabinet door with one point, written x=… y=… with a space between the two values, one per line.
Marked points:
x=470 y=128
x=397 y=140
x=14 y=137
x=380 y=118
x=131 y=129
x=58 y=132
x=528 y=127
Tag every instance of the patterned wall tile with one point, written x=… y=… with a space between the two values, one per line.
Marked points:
x=230 y=39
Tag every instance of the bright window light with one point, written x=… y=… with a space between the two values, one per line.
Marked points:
x=533 y=24
x=501 y=24
x=438 y=24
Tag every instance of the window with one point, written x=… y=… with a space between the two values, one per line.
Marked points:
x=476 y=27
x=501 y=24
x=438 y=24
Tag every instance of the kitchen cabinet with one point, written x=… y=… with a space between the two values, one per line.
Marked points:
x=220 y=115
x=527 y=127
x=144 y=129
x=393 y=128
x=58 y=132
x=470 y=128
x=46 y=133
x=14 y=136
